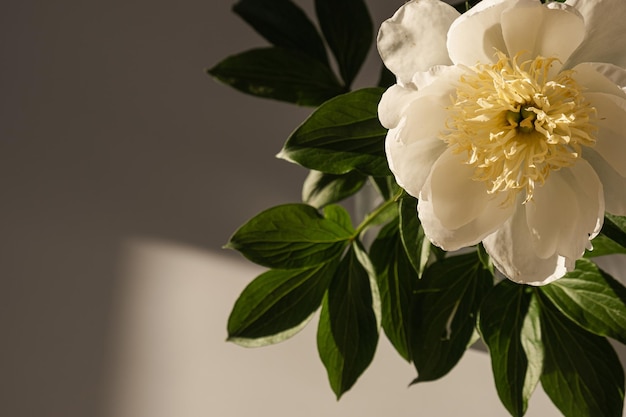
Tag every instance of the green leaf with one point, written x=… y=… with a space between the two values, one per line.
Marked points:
x=291 y=236
x=533 y=347
x=582 y=374
x=280 y=74
x=278 y=304
x=283 y=24
x=348 y=331
x=322 y=189
x=602 y=245
x=445 y=311
x=396 y=282
x=592 y=299
x=340 y=216
x=342 y=135
x=348 y=30
x=614 y=228
x=502 y=316
x=412 y=234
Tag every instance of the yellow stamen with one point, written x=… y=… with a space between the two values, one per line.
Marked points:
x=516 y=123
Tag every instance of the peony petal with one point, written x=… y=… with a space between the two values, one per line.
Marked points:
x=414 y=38
x=530 y=27
x=566 y=212
x=413 y=145
x=613 y=183
x=393 y=104
x=455 y=210
x=605 y=36
x=475 y=36
x=600 y=78
x=611 y=136
x=511 y=251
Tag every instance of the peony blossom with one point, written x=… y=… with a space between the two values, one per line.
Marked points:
x=508 y=123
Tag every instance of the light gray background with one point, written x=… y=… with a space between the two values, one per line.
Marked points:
x=123 y=170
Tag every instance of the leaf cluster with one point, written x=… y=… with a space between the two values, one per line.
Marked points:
x=431 y=305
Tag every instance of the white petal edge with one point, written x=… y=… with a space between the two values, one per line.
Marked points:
x=614 y=184
x=605 y=34
x=511 y=251
x=611 y=135
x=456 y=211
x=538 y=31
x=566 y=212
x=414 y=38
x=474 y=37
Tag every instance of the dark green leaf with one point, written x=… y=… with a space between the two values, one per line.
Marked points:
x=396 y=282
x=533 y=347
x=445 y=311
x=283 y=24
x=348 y=331
x=348 y=30
x=342 y=135
x=591 y=299
x=277 y=304
x=290 y=236
x=280 y=74
x=582 y=374
x=412 y=233
x=502 y=315
x=322 y=189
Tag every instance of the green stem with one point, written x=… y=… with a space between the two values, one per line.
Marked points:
x=372 y=216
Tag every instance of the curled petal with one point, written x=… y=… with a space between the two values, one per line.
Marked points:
x=605 y=36
x=456 y=211
x=413 y=145
x=414 y=38
x=613 y=183
x=611 y=136
x=511 y=251
x=393 y=104
x=601 y=78
x=475 y=36
x=542 y=30
x=566 y=212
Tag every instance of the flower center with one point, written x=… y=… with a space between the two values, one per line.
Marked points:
x=516 y=123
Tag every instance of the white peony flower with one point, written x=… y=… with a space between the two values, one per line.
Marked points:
x=509 y=124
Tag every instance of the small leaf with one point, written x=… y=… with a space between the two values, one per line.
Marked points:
x=340 y=216
x=280 y=74
x=283 y=24
x=582 y=374
x=592 y=299
x=412 y=233
x=322 y=189
x=348 y=332
x=348 y=29
x=445 y=311
x=342 y=135
x=290 y=236
x=277 y=304
x=502 y=315
x=396 y=282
